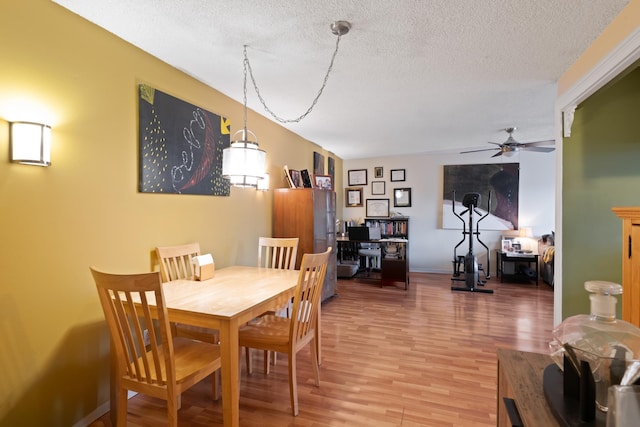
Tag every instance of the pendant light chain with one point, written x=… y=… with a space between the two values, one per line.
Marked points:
x=247 y=66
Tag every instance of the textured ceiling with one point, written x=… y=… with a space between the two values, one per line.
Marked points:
x=411 y=76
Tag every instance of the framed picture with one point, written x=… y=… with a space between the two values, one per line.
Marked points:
x=401 y=197
x=377 y=188
x=378 y=208
x=352 y=197
x=357 y=177
x=295 y=177
x=324 y=182
x=318 y=164
x=397 y=175
x=377 y=172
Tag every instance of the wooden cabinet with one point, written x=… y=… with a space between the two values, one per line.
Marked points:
x=630 y=263
x=520 y=381
x=310 y=215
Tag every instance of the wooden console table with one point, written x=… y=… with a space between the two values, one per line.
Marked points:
x=520 y=379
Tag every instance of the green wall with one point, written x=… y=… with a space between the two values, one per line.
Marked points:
x=600 y=169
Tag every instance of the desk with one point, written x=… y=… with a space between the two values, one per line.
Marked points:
x=515 y=259
x=234 y=296
x=394 y=253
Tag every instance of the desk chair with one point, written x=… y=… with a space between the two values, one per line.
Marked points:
x=279 y=253
x=167 y=365
x=290 y=335
x=371 y=251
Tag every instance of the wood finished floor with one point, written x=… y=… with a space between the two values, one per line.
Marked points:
x=422 y=357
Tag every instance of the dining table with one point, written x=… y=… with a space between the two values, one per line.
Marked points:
x=231 y=298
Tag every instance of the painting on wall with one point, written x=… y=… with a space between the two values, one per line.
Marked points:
x=180 y=146
x=318 y=164
x=501 y=180
x=331 y=168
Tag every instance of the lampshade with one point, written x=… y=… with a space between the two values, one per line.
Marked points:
x=263 y=184
x=525 y=232
x=243 y=163
x=30 y=143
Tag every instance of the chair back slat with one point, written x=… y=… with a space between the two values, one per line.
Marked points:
x=306 y=300
x=175 y=261
x=277 y=252
x=125 y=301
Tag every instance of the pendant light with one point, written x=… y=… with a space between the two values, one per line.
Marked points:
x=243 y=162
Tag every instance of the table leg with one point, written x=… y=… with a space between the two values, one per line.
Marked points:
x=230 y=373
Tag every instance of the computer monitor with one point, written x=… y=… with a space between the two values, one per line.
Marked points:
x=358 y=233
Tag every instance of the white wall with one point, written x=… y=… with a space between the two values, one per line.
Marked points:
x=431 y=247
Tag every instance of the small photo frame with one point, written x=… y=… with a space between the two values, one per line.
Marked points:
x=378 y=208
x=323 y=182
x=295 y=178
x=352 y=197
x=377 y=188
x=397 y=175
x=401 y=197
x=377 y=172
x=506 y=245
x=357 y=177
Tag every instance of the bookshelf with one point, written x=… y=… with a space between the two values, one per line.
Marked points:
x=397 y=227
x=395 y=248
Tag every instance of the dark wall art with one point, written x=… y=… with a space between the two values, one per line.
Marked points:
x=180 y=146
x=501 y=179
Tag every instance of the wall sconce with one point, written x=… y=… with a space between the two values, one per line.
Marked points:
x=30 y=143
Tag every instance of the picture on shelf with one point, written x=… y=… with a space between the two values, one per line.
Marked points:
x=323 y=182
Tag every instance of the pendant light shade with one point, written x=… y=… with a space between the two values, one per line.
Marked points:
x=243 y=163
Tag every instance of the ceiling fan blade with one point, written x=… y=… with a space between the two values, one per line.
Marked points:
x=475 y=151
x=499 y=153
x=538 y=143
x=539 y=149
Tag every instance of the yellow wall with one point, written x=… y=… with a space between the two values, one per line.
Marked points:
x=85 y=209
x=627 y=21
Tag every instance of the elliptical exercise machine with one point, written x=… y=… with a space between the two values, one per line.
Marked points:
x=471 y=268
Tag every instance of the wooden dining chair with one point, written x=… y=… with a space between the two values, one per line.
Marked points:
x=280 y=253
x=175 y=263
x=291 y=334
x=149 y=359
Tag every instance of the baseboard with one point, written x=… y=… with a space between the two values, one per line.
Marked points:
x=98 y=412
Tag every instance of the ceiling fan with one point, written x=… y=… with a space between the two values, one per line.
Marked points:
x=511 y=146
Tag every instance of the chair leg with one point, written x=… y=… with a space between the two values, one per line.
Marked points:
x=267 y=361
x=314 y=362
x=249 y=363
x=215 y=385
x=173 y=404
x=122 y=407
x=293 y=383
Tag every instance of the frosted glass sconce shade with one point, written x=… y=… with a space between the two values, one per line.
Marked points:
x=30 y=143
